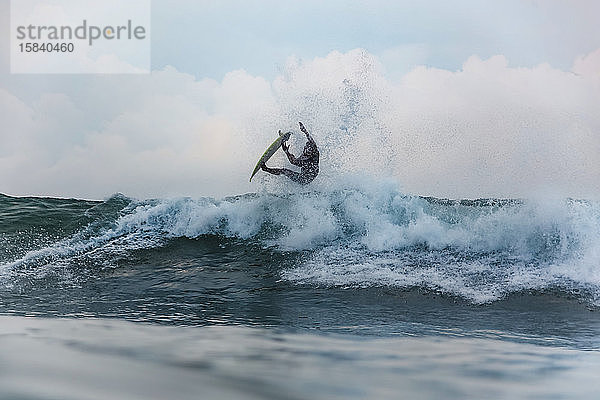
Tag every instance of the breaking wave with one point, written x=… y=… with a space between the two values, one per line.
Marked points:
x=350 y=235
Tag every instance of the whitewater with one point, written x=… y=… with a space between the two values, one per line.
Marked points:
x=369 y=234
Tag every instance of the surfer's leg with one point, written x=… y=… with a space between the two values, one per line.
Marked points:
x=274 y=171
x=295 y=176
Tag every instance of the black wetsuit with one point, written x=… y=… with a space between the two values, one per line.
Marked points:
x=308 y=162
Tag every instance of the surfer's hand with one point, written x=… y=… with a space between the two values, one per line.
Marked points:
x=285 y=146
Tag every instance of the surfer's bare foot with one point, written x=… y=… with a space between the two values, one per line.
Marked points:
x=263 y=166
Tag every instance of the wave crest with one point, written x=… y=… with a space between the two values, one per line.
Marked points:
x=367 y=235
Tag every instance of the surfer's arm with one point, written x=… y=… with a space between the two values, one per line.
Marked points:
x=295 y=161
x=303 y=129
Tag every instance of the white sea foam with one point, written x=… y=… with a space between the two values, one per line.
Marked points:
x=368 y=233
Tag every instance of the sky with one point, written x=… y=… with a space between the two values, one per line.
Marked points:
x=457 y=99
x=258 y=36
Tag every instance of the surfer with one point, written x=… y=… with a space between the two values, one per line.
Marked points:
x=308 y=161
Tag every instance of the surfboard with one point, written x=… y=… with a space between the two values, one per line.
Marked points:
x=270 y=151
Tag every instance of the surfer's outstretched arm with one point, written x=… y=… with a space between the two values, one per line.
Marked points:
x=303 y=129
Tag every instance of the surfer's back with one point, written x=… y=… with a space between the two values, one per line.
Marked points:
x=310 y=162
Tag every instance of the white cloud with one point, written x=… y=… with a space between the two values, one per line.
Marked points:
x=486 y=130
x=588 y=65
x=492 y=130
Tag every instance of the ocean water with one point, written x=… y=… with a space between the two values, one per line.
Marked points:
x=357 y=291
